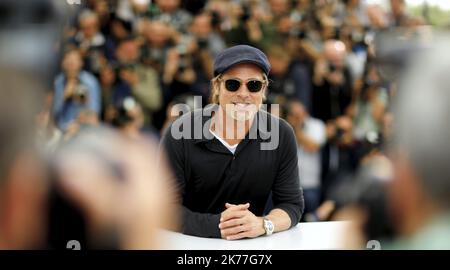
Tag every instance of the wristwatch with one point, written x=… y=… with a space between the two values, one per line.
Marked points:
x=268 y=226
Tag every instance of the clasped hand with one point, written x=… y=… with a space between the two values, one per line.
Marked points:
x=238 y=222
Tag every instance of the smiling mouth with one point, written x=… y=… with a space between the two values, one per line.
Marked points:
x=243 y=105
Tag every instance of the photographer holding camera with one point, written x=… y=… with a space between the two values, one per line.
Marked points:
x=207 y=38
x=136 y=80
x=75 y=90
x=207 y=45
x=332 y=81
x=128 y=118
x=310 y=134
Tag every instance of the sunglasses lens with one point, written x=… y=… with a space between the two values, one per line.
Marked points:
x=232 y=85
x=254 y=86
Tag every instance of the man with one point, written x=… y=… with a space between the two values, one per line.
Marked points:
x=90 y=41
x=332 y=96
x=207 y=38
x=290 y=79
x=136 y=202
x=171 y=13
x=23 y=187
x=226 y=173
x=136 y=80
x=419 y=194
x=75 y=90
x=332 y=82
x=311 y=136
x=25 y=184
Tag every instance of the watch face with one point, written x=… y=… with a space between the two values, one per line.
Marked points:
x=268 y=226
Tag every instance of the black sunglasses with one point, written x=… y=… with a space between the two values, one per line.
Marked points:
x=253 y=86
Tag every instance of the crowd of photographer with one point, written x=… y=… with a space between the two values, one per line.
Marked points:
x=125 y=63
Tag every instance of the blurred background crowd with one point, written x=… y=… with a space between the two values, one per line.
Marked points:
x=124 y=63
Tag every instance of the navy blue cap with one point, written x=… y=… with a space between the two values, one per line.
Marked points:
x=238 y=55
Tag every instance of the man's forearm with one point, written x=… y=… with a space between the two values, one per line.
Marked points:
x=280 y=219
x=200 y=224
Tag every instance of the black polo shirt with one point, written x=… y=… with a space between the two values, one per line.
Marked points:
x=209 y=175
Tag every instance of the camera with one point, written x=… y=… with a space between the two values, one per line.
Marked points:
x=357 y=36
x=332 y=67
x=215 y=19
x=202 y=43
x=339 y=133
x=301 y=34
x=181 y=49
x=126 y=66
x=123 y=115
x=81 y=94
x=372 y=141
x=183 y=62
x=245 y=13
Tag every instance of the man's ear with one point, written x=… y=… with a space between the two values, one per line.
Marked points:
x=216 y=84
x=215 y=91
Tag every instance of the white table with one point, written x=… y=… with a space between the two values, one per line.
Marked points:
x=312 y=235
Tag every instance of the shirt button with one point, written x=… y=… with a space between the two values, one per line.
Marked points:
x=234 y=157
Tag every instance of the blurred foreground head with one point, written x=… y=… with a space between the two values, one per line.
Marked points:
x=116 y=184
x=420 y=193
x=121 y=189
x=28 y=33
x=23 y=185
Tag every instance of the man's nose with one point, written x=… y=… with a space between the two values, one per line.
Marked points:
x=243 y=91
